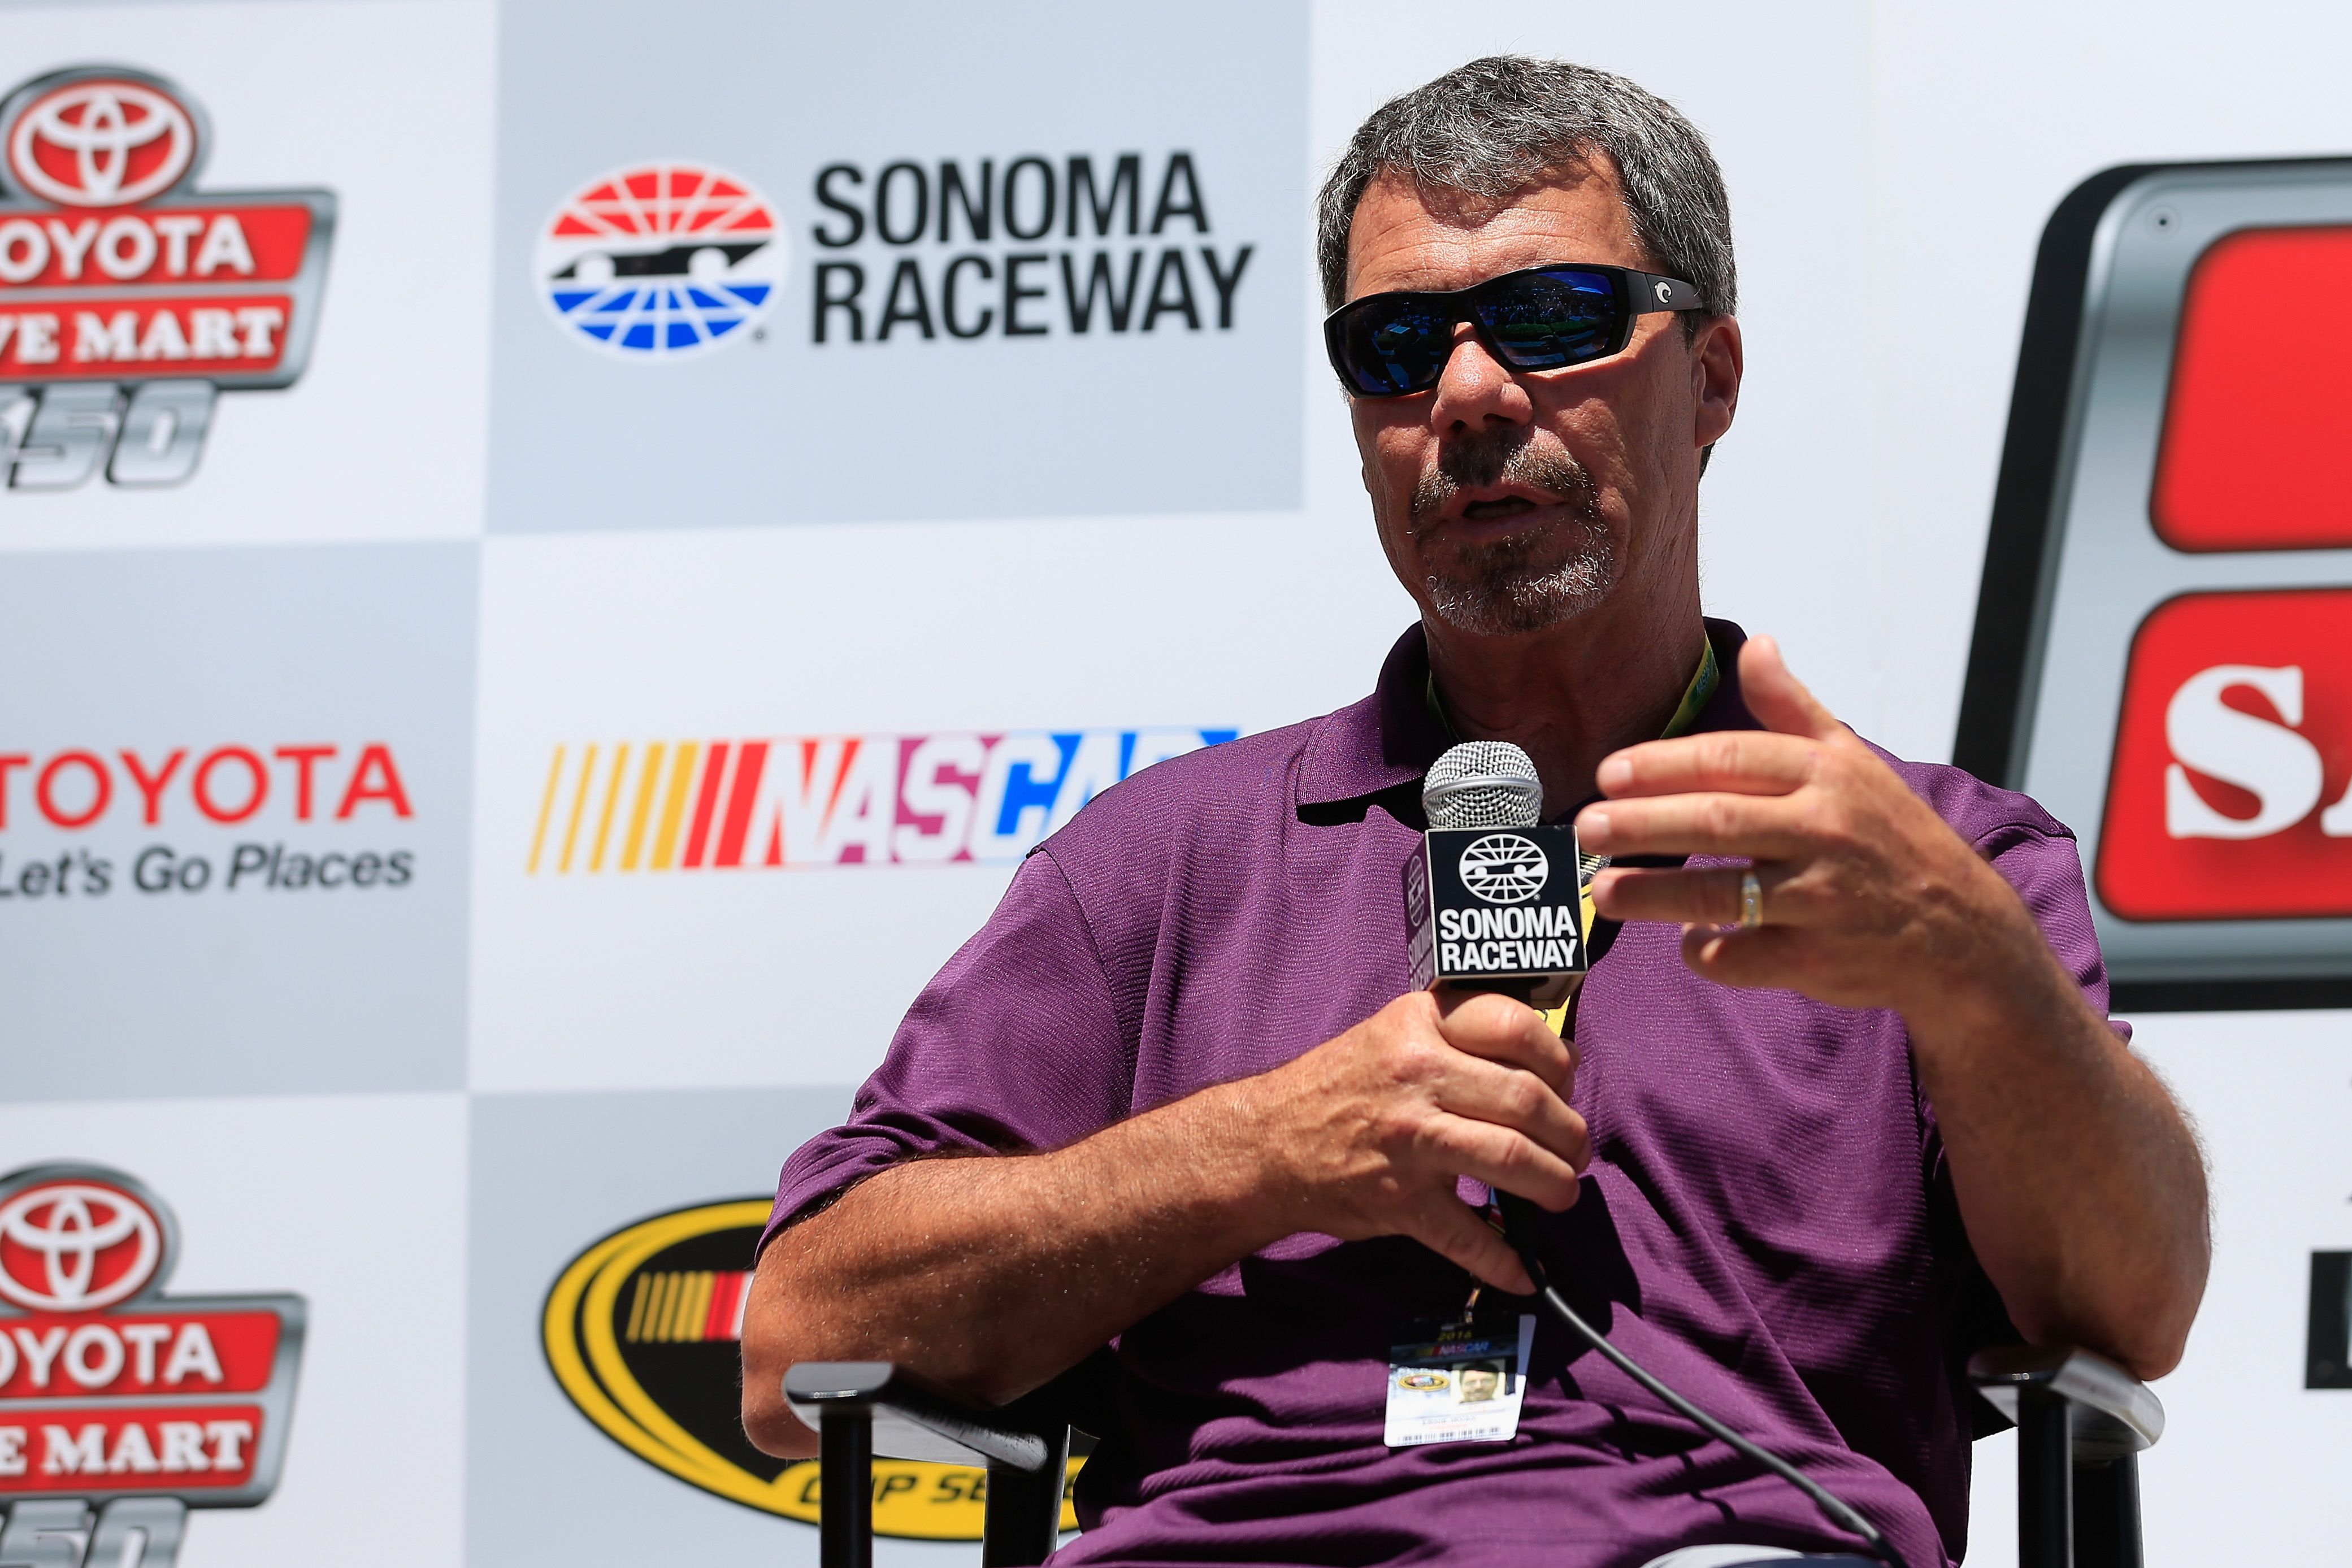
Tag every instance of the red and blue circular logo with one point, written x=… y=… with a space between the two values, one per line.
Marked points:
x=661 y=261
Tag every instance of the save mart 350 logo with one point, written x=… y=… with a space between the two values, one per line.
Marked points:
x=644 y=1331
x=120 y=1407
x=129 y=300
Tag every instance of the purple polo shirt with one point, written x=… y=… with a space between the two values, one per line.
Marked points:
x=1768 y=1224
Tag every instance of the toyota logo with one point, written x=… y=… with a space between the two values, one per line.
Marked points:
x=100 y=141
x=1503 y=868
x=77 y=1245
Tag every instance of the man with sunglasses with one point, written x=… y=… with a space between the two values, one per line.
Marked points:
x=1842 y=1104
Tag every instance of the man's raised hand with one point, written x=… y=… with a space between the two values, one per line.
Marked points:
x=1870 y=899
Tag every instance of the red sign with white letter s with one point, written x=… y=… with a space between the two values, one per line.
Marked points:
x=2230 y=797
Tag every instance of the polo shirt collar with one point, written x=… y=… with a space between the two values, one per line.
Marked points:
x=1391 y=737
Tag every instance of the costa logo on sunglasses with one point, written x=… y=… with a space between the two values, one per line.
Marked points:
x=1541 y=319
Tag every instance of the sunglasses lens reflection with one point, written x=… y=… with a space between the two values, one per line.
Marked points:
x=1391 y=344
x=1542 y=320
x=1398 y=344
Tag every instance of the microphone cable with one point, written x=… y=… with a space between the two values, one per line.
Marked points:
x=1493 y=784
x=1518 y=1229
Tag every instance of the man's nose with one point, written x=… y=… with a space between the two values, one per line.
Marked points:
x=1477 y=391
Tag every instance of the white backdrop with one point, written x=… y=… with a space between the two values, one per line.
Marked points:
x=1890 y=168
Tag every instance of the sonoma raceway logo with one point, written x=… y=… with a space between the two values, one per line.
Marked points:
x=665 y=260
x=875 y=799
x=122 y=1408
x=1503 y=868
x=660 y=260
x=1027 y=247
x=275 y=800
x=127 y=300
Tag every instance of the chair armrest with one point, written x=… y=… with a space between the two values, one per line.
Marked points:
x=914 y=1419
x=2113 y=1413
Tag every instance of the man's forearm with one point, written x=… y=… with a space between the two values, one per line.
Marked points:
x=992 y=1274
x=2081 y=1184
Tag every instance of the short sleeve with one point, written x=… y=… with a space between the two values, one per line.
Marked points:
x=2046 y=870
x=1013 y=1045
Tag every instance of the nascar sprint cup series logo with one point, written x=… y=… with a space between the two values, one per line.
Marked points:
x=129 y=300
x=644 y=1332
x=122 y=1408
x=660 y=261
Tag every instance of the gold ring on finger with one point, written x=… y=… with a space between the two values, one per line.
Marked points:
x=1751 y=900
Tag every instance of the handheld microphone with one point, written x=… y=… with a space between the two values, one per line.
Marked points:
x=1494 y=902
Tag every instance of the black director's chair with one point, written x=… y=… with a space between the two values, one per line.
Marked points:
x=2080 y=1419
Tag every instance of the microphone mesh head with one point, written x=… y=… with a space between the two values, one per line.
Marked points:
x=1483 y=784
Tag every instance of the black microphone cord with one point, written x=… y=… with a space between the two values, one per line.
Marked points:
x=1518 y=1229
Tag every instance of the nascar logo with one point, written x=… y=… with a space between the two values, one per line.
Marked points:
x=875 y=799
x=642 y=1331
x=660 y=260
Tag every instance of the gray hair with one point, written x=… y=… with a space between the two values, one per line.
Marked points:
x=1492 y=128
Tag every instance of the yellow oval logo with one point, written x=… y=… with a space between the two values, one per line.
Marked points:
x=644 y=1332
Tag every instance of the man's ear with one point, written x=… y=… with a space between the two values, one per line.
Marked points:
x=1717 y=359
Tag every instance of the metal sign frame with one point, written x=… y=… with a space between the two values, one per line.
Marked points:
x=2072 y=565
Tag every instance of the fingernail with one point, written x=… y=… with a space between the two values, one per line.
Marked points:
x=1613 y=774
x=1592 y=830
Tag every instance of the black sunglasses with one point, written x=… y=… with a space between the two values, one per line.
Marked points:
x=1541 y=319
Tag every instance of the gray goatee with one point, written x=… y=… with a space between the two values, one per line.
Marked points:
x=1521 y=584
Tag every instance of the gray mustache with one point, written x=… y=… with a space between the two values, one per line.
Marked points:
x=1477 y=462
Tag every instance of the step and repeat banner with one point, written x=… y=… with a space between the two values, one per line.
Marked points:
x=555 y=554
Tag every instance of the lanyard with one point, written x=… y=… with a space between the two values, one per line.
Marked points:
x=1696 y=696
